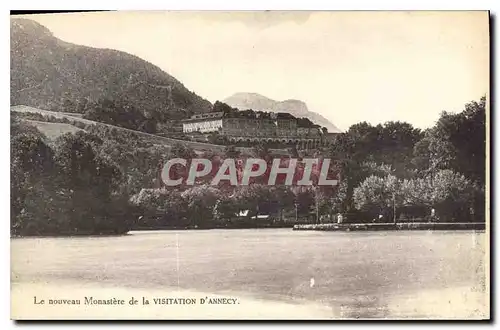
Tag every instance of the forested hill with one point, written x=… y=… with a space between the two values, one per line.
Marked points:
x=51 y=74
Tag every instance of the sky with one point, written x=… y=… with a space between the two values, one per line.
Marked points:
x=348 y=66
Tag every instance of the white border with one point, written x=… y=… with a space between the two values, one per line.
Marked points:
x=193 y=5
x=259 y=5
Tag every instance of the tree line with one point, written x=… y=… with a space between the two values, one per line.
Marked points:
x=442 y=168
x=103 y=180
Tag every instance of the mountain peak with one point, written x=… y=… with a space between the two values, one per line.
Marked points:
x=295 y=107
x=29 y=26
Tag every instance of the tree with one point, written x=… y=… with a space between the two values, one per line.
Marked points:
x=378 y=195
x=365 y=150
x=225 y=210
x=33 y=185
x=304 y=200
x=261 y=150
x=119 y=113
x=65 y=189
x=180 y=150
x=151 y=200
x=89 y=182
x=253 y=197
x=293 y=152
x=450 y=193
x=338 y=201
x=421 y=155
x=220 y=106
x=281 y=198
x=200 y=203
x=231 y=152
x=160 y=207
x=456 y=142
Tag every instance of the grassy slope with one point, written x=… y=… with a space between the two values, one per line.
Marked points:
x=53 y=130
x=198 y=146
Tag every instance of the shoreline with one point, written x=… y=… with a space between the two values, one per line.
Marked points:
x=347 y=227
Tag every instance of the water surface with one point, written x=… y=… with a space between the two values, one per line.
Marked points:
x=357 y=274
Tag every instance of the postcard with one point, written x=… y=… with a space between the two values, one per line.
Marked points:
x=250 y=165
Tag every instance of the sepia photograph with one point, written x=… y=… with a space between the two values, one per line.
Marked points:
x=250 y=165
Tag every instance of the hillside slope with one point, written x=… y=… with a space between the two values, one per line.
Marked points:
x=54 y=129
x=297 y=108
x=51 y=74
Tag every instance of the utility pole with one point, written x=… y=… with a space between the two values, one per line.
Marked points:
x=317 y=204
x=296 y=212
x=394 y=205
x=394 y=196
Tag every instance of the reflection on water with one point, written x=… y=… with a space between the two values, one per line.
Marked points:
x=357 y=275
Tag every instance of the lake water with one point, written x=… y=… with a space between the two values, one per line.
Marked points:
x=396 y=274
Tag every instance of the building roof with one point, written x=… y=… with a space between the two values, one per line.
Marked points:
x=284 y=115
x=250 y=114
x=204 y=116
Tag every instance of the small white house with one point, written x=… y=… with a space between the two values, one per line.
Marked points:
x=258 y=216
x=243 y=213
